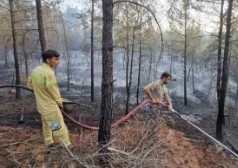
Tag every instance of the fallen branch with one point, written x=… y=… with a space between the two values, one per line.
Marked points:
x=118 y=151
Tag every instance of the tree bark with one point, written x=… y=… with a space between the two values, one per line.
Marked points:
x=25 y=58
x=107 y=74
x=219 y=59
x=236 y=99
x=5 y=56
x=171 y=60
x=150 y=67
x=6 y=52
x=92 y=53
x=127 y=58
x=185 y=60
x=67 y=51
x=25 y=52
x=131 y=68
x=15 y=52
x=139 y=71
x=193 y=82
x=225 y=74
x=40 y=25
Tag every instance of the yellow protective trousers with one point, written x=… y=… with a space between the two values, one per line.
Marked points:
x=54 y=129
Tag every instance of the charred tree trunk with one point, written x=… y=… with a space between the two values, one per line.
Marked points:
x=127 y=58
x=151 y=58
x=139 y=71
x=6 y=52
x=193 y=83
x=107 y=74
x=130 y=76
x=68 y=59
x=225 y=74
x=25 y=59
x=236 y=99
x=5 y=56
x=67 y=50
x=25 y=52
x=185 y=60
x=171 y=61
x=92 y=53
x=15 y=52
x=40 y=25
x=219 y=58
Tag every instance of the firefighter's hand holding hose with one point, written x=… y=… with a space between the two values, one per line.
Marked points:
x=61 y=107
x=153 y=101
x=170 y=106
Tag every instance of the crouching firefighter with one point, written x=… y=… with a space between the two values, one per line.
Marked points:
x=157 y=90
x=48 y=99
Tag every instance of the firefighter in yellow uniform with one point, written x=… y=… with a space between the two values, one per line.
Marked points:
x=48 y=99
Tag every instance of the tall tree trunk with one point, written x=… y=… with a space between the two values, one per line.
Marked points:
x=107 y=74
x=236 y=99
x=150 y=67
x=6 y=52
x=139 y=71
x=67 y=50
x=25 y=52
x=26 y=58
x=185 y=60
x=40 y=25
x=92 y=53
x=5 y=56
x=171 y=61
x=123 y=59
x=225 y=74
x=68 y=58
x=130 y=76
x=219 y=59
x=12 y=13
x=127 y=57
x=189 y=71
x=193 y=83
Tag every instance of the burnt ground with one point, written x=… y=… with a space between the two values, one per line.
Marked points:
x=11 y=112
x=205 y=115
x=184 y=142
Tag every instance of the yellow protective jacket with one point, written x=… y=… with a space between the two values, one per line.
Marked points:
x=44 y=83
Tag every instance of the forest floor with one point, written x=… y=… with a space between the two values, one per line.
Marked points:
x=147 y=140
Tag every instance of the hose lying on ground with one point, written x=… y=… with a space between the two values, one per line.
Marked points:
x=16 y=86
x=115 y=124
x=206 y=134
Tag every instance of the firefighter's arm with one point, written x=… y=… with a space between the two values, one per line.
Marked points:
x=52 y=87
x=168 y=100
x=29 y=83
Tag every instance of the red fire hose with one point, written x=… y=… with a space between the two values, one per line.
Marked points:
x=115 y=124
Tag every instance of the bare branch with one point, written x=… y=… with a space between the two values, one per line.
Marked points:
x=152 y=13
